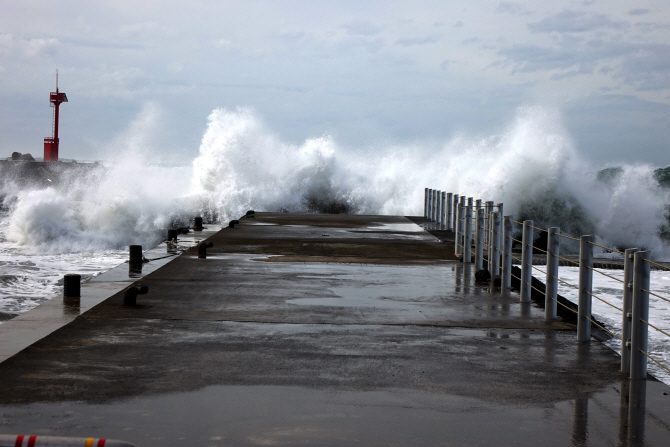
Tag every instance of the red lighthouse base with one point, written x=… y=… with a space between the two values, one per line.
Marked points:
x=50 y=149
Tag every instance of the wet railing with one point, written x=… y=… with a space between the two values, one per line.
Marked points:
x=482 y=227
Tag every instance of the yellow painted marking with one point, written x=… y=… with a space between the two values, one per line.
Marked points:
x=89 y=442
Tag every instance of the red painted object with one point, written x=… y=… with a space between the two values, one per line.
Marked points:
x=51 y=144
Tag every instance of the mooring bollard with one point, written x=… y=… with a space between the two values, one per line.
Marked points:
x=135 y=253
x=479 y=239
x=585 y=288
x=627 y=307
x=639 y=341
x=197 y=224
x=526 y=260
x=172 y=235
x=131 y=292
x=202 y=249
x=232 y=223
x=551 y=280
x=467 y=252
x=71 y=285
x=425 y=203
x=506 y=274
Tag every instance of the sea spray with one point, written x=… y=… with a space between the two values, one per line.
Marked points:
x=532 y=167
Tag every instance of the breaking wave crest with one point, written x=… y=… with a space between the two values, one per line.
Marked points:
x=532 y=166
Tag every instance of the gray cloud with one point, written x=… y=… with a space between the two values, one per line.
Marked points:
x=643 y=65
x=574 y=22
x=362 y=28
x=509 y=8
x=410 y=41
x=638 y=12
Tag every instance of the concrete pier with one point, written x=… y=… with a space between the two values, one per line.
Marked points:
x=330 y=330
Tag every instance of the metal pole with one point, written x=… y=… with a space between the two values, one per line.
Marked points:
x=506 y=274
x=585 y=288
x=479 y=239
x=438 y=209
x=457 y=223
x=496 y=244
x=430 y=195
x=425 y=202
x=551 y=291
x=455 y=214
x=639 y=341
x=467 y=252
x=461 y=223
x=450 y=220
x=443 y=210
x=488 y=206
x=526 y=260
x=436 y=204
x=627 y=314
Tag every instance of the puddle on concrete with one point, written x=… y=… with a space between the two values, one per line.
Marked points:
x=409 y=227
x=288 y=415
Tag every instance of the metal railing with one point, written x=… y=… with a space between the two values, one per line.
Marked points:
x=494 y=233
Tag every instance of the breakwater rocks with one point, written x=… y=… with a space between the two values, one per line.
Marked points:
x=30 y=173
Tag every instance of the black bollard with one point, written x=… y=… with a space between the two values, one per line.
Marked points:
x=197 y=224
x=135 y=253
x=71 y=285
x=202 y=249
x=131 y=292
x=250 y=213
x=172 y=235
x=232 y=223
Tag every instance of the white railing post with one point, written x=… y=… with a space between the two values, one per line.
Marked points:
x=458 y=212
x=639 y=341
x=479 y=238
x=585 y=288
x=425 y=202
x=467 y=251
x=506 y=274
x=455 y=222
x=488 y=206
x=450 y=198
x=551 y=280
x=430 y=202
x=461 y=223
x=627 y=307
x=443 y=210
x=496 y=244
x=526 y=260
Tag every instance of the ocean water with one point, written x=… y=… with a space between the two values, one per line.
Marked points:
x=611 y=291
x=85 y=225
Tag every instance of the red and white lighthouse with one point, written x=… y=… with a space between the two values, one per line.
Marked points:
x=51 y=144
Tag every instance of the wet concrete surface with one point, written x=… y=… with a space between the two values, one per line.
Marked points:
x=345 y=343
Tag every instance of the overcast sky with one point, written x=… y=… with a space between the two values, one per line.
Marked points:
x=365 y=72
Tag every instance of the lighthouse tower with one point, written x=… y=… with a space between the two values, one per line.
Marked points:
x=51 y=144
